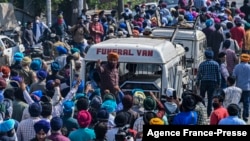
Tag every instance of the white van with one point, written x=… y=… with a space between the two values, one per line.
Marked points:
x=158 y=64
x=10 y=47
x=193 y=40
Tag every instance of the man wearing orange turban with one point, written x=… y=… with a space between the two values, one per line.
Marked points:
x=109 y=73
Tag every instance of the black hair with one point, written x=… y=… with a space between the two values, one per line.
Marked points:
x=101 y=129
x=228 y=35
x=9 y=93
x=220 y=97
x=221 y=54
x=231 y=80
x=82 y=104
x=46 y=109
x=19 y=94
x=233 y=109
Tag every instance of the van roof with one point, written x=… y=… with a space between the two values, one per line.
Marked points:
x=181 y=34
x=140 y=50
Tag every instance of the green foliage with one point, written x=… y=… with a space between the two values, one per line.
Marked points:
x=4 y=1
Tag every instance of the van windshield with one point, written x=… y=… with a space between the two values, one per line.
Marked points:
x=135 y=75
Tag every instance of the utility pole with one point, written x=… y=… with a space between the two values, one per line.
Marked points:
x=48 y=7
x=80 y=7
x=120 y=8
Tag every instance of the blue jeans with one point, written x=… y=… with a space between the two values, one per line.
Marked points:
x=208 y=87
x=245 y=99
x=79 y=46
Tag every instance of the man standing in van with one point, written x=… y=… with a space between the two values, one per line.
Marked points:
x=109 y=73
x=208 y=78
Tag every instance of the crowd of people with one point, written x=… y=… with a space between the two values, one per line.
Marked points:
x=40 y=102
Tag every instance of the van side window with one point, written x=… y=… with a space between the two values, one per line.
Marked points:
x=8 y=43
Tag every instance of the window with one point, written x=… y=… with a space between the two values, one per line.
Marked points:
x=8 y=43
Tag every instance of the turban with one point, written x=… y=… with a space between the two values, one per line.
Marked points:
x=112 y=55
x=84 y=118
x=42 y=125
x=156 y=121
x=244 y=57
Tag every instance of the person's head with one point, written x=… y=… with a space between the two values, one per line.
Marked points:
x=226 y=44
x=101 y=129
x=41 y=75
x=102 y=115
x=169 y=94
x=35 y=109
x=156 y=121
x=29 y=25
x=56 y=123
x=80 y=20
x=46 y=109
x=237 y=21
x=127 y=101
x=84 y=118
x=188 y=103
x=55 y=67
x=57 y=38
x=113 y=58
x=244 y=58
x=9 y=93
x=36 y=95
x=95 y=18
x=42 y=128
x=36 y=64
x=68 y=108
x=231 y=80
x=61 y=50
x=217 y=101
x=217 y=26
x=228 y=35
x=5 y=71
x=209 y=54
x=121 y=119
x=149 y=103
x=19 y=94
x=222 y=57
x=26 y=61
x=233 y=109
x=229 y=25
x=82 y=104
x=37 y=19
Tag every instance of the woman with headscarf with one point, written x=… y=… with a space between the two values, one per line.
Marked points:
x=42 y=128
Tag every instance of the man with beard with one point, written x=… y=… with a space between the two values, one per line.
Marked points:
x=109 y=73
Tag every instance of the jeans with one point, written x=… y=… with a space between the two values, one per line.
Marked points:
x=245 y=99
x=79 y=46
x=208 y=87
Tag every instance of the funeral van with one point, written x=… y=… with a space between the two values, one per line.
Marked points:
x=144 y=63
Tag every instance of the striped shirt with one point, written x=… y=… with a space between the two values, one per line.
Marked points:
x=209 y=70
